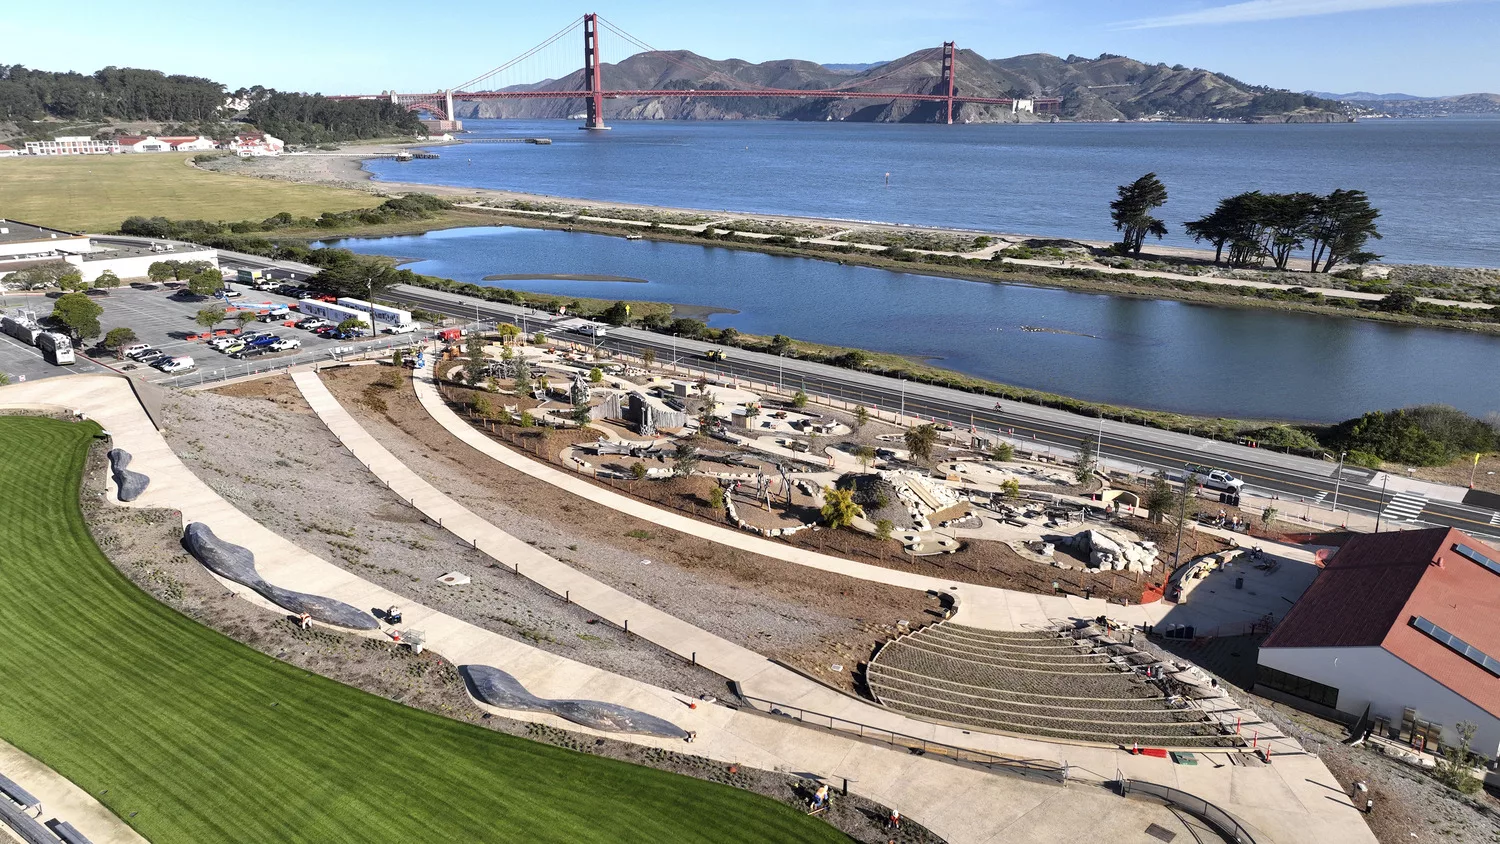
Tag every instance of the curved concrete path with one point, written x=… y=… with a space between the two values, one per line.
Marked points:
x=1285 y=799
x=937 y=794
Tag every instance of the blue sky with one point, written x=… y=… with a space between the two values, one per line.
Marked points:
x=1427 y=47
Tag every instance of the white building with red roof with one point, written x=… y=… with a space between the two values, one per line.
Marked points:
x=8 y=151
x=247 y=144
x=1404 y=625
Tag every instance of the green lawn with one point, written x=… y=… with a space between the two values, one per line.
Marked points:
x=121 y=694
x=96 y=192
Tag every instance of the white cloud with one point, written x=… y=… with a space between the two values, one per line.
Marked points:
x=1268 y=10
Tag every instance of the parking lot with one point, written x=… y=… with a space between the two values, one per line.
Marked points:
x=165 y=321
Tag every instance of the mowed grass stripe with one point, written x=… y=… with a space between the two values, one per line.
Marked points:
x=122 y=694
x=97 y=192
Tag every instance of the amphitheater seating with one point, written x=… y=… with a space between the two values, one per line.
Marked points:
x=1056 y=684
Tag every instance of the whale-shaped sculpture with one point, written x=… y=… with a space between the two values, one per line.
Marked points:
x=129 y=484
x=233 y=562
x=499 y=689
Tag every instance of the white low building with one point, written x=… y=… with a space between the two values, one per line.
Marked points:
x=8 y=151
x=254 y=144
x=1404 y=627
x=143 y=143
x=72 y=145
x=23 y=245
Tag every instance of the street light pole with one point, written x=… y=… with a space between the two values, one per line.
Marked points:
x=1338 y=478
x=1381 y=511
x=1181 y=517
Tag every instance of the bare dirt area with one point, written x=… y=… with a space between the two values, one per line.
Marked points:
x=271 y=457
x=144 y=545
x=807 y=618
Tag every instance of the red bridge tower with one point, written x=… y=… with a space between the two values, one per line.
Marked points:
x=591 y=80
x=945 y=85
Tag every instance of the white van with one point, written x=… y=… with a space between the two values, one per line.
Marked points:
x=401 y=329
x=134 y=349
x=171 y=365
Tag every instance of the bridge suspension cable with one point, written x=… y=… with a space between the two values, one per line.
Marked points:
x=577 y=22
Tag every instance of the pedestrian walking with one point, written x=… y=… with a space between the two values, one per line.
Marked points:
x=894 y=821
x=304 y=621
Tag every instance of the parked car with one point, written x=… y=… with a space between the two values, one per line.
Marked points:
x=230 y=294
x=219 y=344
x=236 y=346
x=283 y=345
x=135 y=350
x=264 y=340
x=304 y=294
x=181 y=364
x=251 y=352
x=326 y=331
x=151 y=356
x=401 y=329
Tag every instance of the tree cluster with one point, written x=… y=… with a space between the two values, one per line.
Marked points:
x=1253 y=226
x=1426 y=435
x=114 y=92
x=315 y=119
x=417 y=206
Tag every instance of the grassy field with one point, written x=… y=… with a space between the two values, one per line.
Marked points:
x=195 y=738
x=96 y=192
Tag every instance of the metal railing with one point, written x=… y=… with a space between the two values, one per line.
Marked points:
x=939 y=750
x=1222 y=822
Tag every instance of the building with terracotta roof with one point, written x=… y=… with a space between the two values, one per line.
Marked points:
x=1405 y=624
x=8 y=151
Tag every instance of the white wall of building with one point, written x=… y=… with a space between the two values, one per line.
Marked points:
x=198 y=143
x=1388 y=685
x=135 y=266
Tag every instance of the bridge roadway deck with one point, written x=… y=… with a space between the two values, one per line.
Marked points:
x=1286 y=476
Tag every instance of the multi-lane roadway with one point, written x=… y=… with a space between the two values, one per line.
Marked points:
x=1297 y=480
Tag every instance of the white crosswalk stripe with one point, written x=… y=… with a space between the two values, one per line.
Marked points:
x=1406 y=506
x=1495 y=518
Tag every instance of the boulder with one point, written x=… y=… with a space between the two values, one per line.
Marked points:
x=129 y=485
x=499 y=689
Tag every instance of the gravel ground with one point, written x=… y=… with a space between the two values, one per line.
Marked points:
x=809 y=619
x=143 y=544
x=278 y=463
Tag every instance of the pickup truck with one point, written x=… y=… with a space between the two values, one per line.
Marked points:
x=1215 y=478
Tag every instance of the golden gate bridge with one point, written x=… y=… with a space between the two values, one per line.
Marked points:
x=591 y=91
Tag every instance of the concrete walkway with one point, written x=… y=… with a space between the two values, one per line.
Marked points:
x=62 y=800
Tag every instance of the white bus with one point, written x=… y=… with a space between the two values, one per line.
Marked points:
x=57 y=348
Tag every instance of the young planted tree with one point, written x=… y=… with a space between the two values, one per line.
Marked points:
x=861 y=416
x=474 y=364
x=920 y=439
x=1088 y=459
x=1011 y=489
x=107 y=280
x=638 y=470
x=1131 y=211
x=1003 y=452
x=648 y=358
x=883 y=529
x=685 y=457
x=521 y=372
x=839 y=509
x=244 y=318
x=716 y=497
x=1159 y=498
x=596 y=376
x=866 y=456
x=799 y=400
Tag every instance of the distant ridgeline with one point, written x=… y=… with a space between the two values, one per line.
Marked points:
x=196 y=104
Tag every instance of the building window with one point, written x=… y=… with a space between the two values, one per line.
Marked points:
x=1297 y=687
